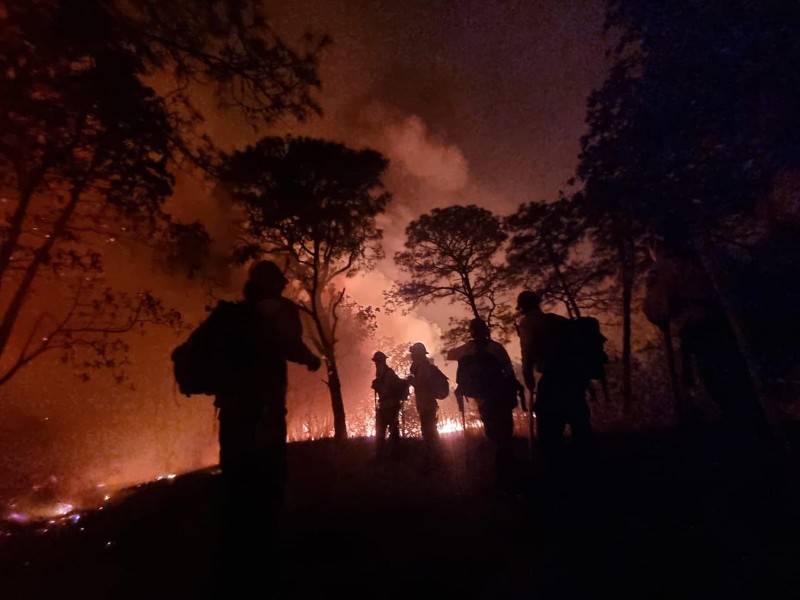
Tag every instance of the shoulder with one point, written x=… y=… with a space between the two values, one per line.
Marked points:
x=461 y=351
x=525 y=320
x=277 y=307
x=427 y=368
x=496 y=347
x=229 y=311
x=557 y=321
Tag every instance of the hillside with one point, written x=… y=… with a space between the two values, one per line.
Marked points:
x=662 y=515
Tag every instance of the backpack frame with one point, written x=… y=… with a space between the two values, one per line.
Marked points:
x=212 y=359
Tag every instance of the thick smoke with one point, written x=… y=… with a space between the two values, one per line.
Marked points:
x=433 y=124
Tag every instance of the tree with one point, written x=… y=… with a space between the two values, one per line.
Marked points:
x=549 y=248
x=700 y=109
x=313 y=202
x=450 y=254
x=697 y=116
x=88 y=151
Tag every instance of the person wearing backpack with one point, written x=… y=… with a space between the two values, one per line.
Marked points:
x=430 y=385
x=391 y=391
x=546 y=344
x=252 y=420
x=680 y=300
x=486 y=374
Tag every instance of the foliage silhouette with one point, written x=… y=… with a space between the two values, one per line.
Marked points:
x=452 y=253
x=89 y=151
x=313 y=202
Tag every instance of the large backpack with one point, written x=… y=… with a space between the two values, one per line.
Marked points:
x=587 y=355
x=441 y=383
x=215 y=357
x=400 y=388
x=392 y=387
x=482 y=375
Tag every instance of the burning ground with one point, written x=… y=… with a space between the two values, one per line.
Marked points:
x=657 y=514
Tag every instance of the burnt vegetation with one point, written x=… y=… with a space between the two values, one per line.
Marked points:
x=103 y=104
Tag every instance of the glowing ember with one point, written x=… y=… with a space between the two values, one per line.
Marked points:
x=61 y=508
x=16 y=517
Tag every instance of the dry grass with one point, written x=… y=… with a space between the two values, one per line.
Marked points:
x=657 y=514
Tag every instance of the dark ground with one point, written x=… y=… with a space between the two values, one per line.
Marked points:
x=661 y=516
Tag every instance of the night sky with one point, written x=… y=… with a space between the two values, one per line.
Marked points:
x=501 y=84
x=472 y=102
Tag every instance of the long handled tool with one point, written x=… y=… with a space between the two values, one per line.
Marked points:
x=460 y=402
x=531 y=424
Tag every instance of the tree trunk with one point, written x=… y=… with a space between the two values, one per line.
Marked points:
x=716 y=276
x=627 y=299
x=40 y=256
x=337 y=402
x=11 y=243
x=569 y=298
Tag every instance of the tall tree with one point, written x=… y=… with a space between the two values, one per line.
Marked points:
x=313 y=202
x=453 y=254
x=88 y=150
x=694 y=120
x=550 y=251
x=700 y=109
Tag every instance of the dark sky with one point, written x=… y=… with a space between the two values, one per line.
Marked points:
x=472 y=102
x=503 y=82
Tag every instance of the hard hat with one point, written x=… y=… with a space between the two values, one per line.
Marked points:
x=268 y=274
x=418 y=348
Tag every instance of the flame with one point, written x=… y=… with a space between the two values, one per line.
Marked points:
x=49 y=504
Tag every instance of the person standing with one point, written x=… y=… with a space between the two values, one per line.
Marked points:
x=390 y=392
x=560 y=393
x=424 y=378
x=486 y=374
x=680 y=300
x=252 y=424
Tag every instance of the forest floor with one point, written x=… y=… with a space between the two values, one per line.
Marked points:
x=667 y=514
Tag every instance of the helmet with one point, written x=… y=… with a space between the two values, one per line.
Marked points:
x=527 y=300
x=379 y=357
x=418 y=348
x=478 y=328
x=267 y=274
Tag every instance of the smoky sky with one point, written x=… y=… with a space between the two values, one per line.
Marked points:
x=504 y=82
x=471 y=102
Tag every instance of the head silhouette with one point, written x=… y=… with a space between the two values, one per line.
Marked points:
x=265 y=280
x=479 y=329
x=418 y=350
x=528 y=302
